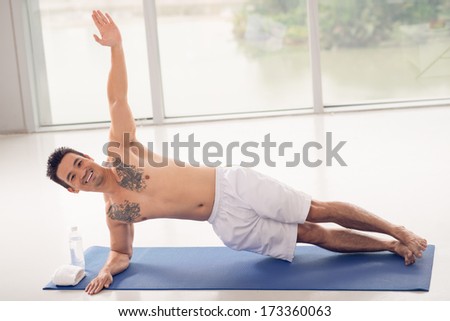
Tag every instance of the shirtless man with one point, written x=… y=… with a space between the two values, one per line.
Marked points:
x=268 y=216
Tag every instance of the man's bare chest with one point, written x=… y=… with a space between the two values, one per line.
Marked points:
x=127 y=204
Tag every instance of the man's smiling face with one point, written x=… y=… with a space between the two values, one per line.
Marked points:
x=81 y=173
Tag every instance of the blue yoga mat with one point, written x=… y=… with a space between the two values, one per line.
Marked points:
x=220 y=268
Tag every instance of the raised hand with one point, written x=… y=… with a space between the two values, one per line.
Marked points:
x=109 y=33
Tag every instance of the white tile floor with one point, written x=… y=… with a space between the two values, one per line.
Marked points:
x=398 y=166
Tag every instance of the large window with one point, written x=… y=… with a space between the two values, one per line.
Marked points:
x=233 y=56
x=76 y=67
x=212 y=57
x=384 y=50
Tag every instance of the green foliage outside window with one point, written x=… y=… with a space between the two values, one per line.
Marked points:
x=345 y=23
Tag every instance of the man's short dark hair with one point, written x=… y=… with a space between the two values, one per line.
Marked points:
x=55 y=159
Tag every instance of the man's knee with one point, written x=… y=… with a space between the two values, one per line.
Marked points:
x=311 y=233
x=319 y=212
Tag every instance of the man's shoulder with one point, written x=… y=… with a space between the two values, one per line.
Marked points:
x=111 y=162
x=122 y=139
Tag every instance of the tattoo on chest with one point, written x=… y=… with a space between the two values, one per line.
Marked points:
x=131 y=177
x=126 y=212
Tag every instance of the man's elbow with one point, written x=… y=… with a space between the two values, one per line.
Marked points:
x=117 y=100
x=126 y=264
x=126 y=256
x=123 y=255
x=125 y=261
x=122 y=262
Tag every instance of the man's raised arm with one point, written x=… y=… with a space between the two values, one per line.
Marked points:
x=122 y=120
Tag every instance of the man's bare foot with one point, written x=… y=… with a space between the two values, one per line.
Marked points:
x=413 y=242
x=402 y=250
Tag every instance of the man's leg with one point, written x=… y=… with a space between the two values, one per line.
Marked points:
x=354 y=217
x=349 y=241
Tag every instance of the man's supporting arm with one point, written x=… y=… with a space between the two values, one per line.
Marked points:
x=121 y=239
x=116 y=263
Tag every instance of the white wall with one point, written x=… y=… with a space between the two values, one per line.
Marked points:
x=12 y=119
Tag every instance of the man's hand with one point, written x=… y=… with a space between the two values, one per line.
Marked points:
x=117 y=262
x=103 y=280
x=109 y=33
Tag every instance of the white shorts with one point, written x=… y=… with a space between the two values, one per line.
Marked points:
x=257 y=213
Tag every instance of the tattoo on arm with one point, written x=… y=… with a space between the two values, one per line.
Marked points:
x=126 y=212
x=131 y=177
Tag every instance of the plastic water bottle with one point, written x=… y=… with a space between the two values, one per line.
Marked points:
x=76 y=248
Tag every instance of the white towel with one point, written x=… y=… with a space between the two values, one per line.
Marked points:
x=68 y=275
